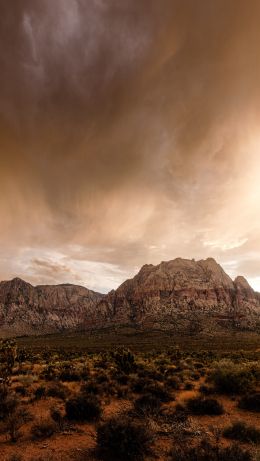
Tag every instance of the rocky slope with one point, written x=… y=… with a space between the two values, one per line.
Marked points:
x=185 y=295
x=25 y=309
x=181 y=295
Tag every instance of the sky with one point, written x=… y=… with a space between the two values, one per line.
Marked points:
x=129 y=134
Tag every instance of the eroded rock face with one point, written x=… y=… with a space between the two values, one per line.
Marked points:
x=181 y=295
x=185 y=295
x=25 y=309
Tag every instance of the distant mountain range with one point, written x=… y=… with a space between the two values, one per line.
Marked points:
x=184 y=296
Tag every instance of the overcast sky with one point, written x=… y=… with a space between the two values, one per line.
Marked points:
x=129 y=134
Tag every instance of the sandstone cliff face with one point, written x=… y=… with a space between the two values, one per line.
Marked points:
x=25 y=309
x=181 y=295
x=185 y=295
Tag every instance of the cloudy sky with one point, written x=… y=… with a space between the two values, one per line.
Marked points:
x=129 y=134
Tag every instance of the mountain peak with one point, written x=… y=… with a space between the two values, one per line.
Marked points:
x=241 y=282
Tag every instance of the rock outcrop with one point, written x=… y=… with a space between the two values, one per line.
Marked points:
x=185 y=296
x=181 y=295
x=25 y=309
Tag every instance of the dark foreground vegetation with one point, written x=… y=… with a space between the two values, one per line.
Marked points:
x=89 y=397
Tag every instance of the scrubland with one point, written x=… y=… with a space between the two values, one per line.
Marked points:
x=165 y=403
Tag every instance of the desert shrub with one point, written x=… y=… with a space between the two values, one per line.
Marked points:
x=122 y=392
x=103 y=378
x=90 y=388
x=39 y=392
x=206 y=451
x=15 y=457
x=150 y=373
x=8 y=403
x=119 y=439
x=8 y=353
x=49 y=373
x=159 y=391
x=83 y=408
x=173 y=382
x=43 y=429
x=122 y=379
x=57 y=417
x=204 y=406
x=124 y=360
x=58 y=391
x=232 y=378
x=102 y=360
x=69 y=374
x=139 y=384
x=188 y=386
x=206 y=390
x=13 y=423
x=250 y=402
x=242 y=432
x=147 y=404
x=195 y=376
x=21 y=390
x=84 y=373
x=198 y=365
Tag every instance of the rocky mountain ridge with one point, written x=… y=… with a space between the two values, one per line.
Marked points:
x=185 y=296
x=180 y=295
x=25 y=309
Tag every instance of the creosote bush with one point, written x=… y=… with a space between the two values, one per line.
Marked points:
x=8 y=353
x=232 y=378
x=8 y=402
x=206 y=451
x=124 y=360
x=250 y=402
x=43 y=429
x=83 y=408
x=123 y=439
x=147 y=404
x=204 y=406
x=158 y=390
x=242 y=432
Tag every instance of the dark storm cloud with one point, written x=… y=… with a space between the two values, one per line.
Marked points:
x=128 y=129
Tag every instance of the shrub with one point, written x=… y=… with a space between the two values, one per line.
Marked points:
x=204 y=406
x=124 y=360
x=205 y=451
x=232 y=378
x=242 y=432
x=49 y=373
x=69 y=374
x=83 y=408
x=122 y=379
x=119 y=439
x=159 y=391
x=173 y=382
x=250 y=402
x=206 y=390
x=90 y=388
x=15 y=457
x=57 y=417
x=39 y=392
x=147 y=404
x=188 y=386
x=21 y=390
x=57 y=391
x=13 y=423
x=43 y=429
x=139 y=384
x=8 y=403
x=8 y=353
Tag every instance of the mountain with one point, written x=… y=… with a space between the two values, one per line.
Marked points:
x=181 y=295
x=25 y=309
x=185 y=296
